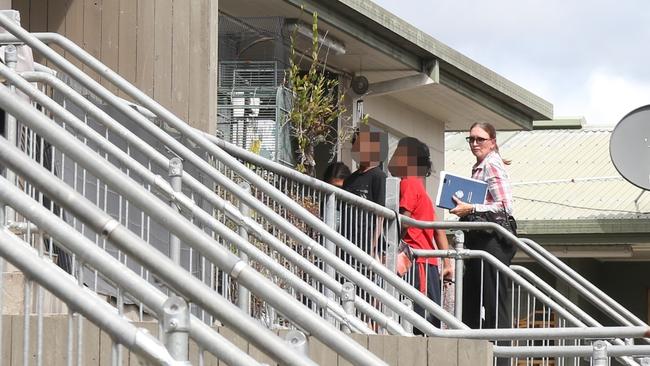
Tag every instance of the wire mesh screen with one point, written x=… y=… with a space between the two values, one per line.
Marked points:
x=253 y=107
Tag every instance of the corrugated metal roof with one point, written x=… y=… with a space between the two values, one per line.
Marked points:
x=558 y=175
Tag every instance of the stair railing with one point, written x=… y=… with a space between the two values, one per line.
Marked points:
x=65 y=287
x=157 y=262
x=301 y=213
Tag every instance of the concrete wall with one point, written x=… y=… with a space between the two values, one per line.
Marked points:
x=399 y=351
x=167 y=48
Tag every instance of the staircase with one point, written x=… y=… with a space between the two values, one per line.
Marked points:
x=238 y=253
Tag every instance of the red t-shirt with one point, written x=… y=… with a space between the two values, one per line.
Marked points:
x=415 y=199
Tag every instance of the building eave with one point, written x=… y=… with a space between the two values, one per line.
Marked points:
x=416 y=50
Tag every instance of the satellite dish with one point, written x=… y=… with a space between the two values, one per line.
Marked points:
x=629 y=147
x=360 y=84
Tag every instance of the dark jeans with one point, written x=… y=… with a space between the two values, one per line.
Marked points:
x=491 y=289
x=428 y=276
x=497 y=311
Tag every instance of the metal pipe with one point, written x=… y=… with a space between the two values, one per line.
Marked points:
x=408 y=327
x=112 y=268
x=459 y=269
x=561 y=299
x=33 y=41
x=292 y=174
x=548 y=261
x=11 y=126
x=298 y=341
x=379 y=318
x=330 y=218
x=347 y=298
x=176 y=327
x=175 y=276
x=466 y=253
x=176 y=181
x=184 y=230
x=599 y=357
x=517 y=333
x=243 y=295
x=568 y=351
x=97 y=311
x=179 y=198
x=595 y=295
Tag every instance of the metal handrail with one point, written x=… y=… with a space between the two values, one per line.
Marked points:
x=293 y=174
x=33 y=40
x=164 y=187
x=118 y=273
x=191 y=287
x=594 y=332
x=560 y=304
x=586 y=288
x=179 y=197
x=605 y=303
x=468 y=254
x=62 y=285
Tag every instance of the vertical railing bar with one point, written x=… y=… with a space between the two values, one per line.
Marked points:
x=115 y=354
x=243 y=295
x=175 y=177
x=2 y=290
x=481 y=311
x=496 y=305
x=80 y=282
x=11 y=126
x=27 y=299
x=39 y=308
x=70 y=337
x=120 y=311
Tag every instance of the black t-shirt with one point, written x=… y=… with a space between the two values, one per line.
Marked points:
x=359 y=226
x=370 y=185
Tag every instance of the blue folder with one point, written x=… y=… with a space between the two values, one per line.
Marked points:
x=467 y=190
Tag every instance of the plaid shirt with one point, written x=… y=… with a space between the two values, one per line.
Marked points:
x=499 y=195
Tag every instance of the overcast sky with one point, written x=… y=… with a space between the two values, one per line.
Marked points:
x=587 y=57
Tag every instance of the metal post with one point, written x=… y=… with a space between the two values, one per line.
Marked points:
x=392 y=237
x=176 y=181
x=11 y=127
x=243 y=295
x=330 y=220
x=599 y=357
x=298 y=341
x=459 y=240
x=347 y=298
x=176 y=328
x=408 y=327
x=3 y=223
x=2 y=275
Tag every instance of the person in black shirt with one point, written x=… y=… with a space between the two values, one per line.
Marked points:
x=369 y=182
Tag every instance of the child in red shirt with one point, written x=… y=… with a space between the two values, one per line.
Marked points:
x=411 y=162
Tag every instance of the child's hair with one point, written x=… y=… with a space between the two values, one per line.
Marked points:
x=336 y=170
x=420 y=151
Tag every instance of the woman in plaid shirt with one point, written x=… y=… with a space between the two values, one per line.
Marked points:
x=489 y=167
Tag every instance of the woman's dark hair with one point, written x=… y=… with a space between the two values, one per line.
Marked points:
x=336 y=170
x=492 y=132
x=420 y=151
